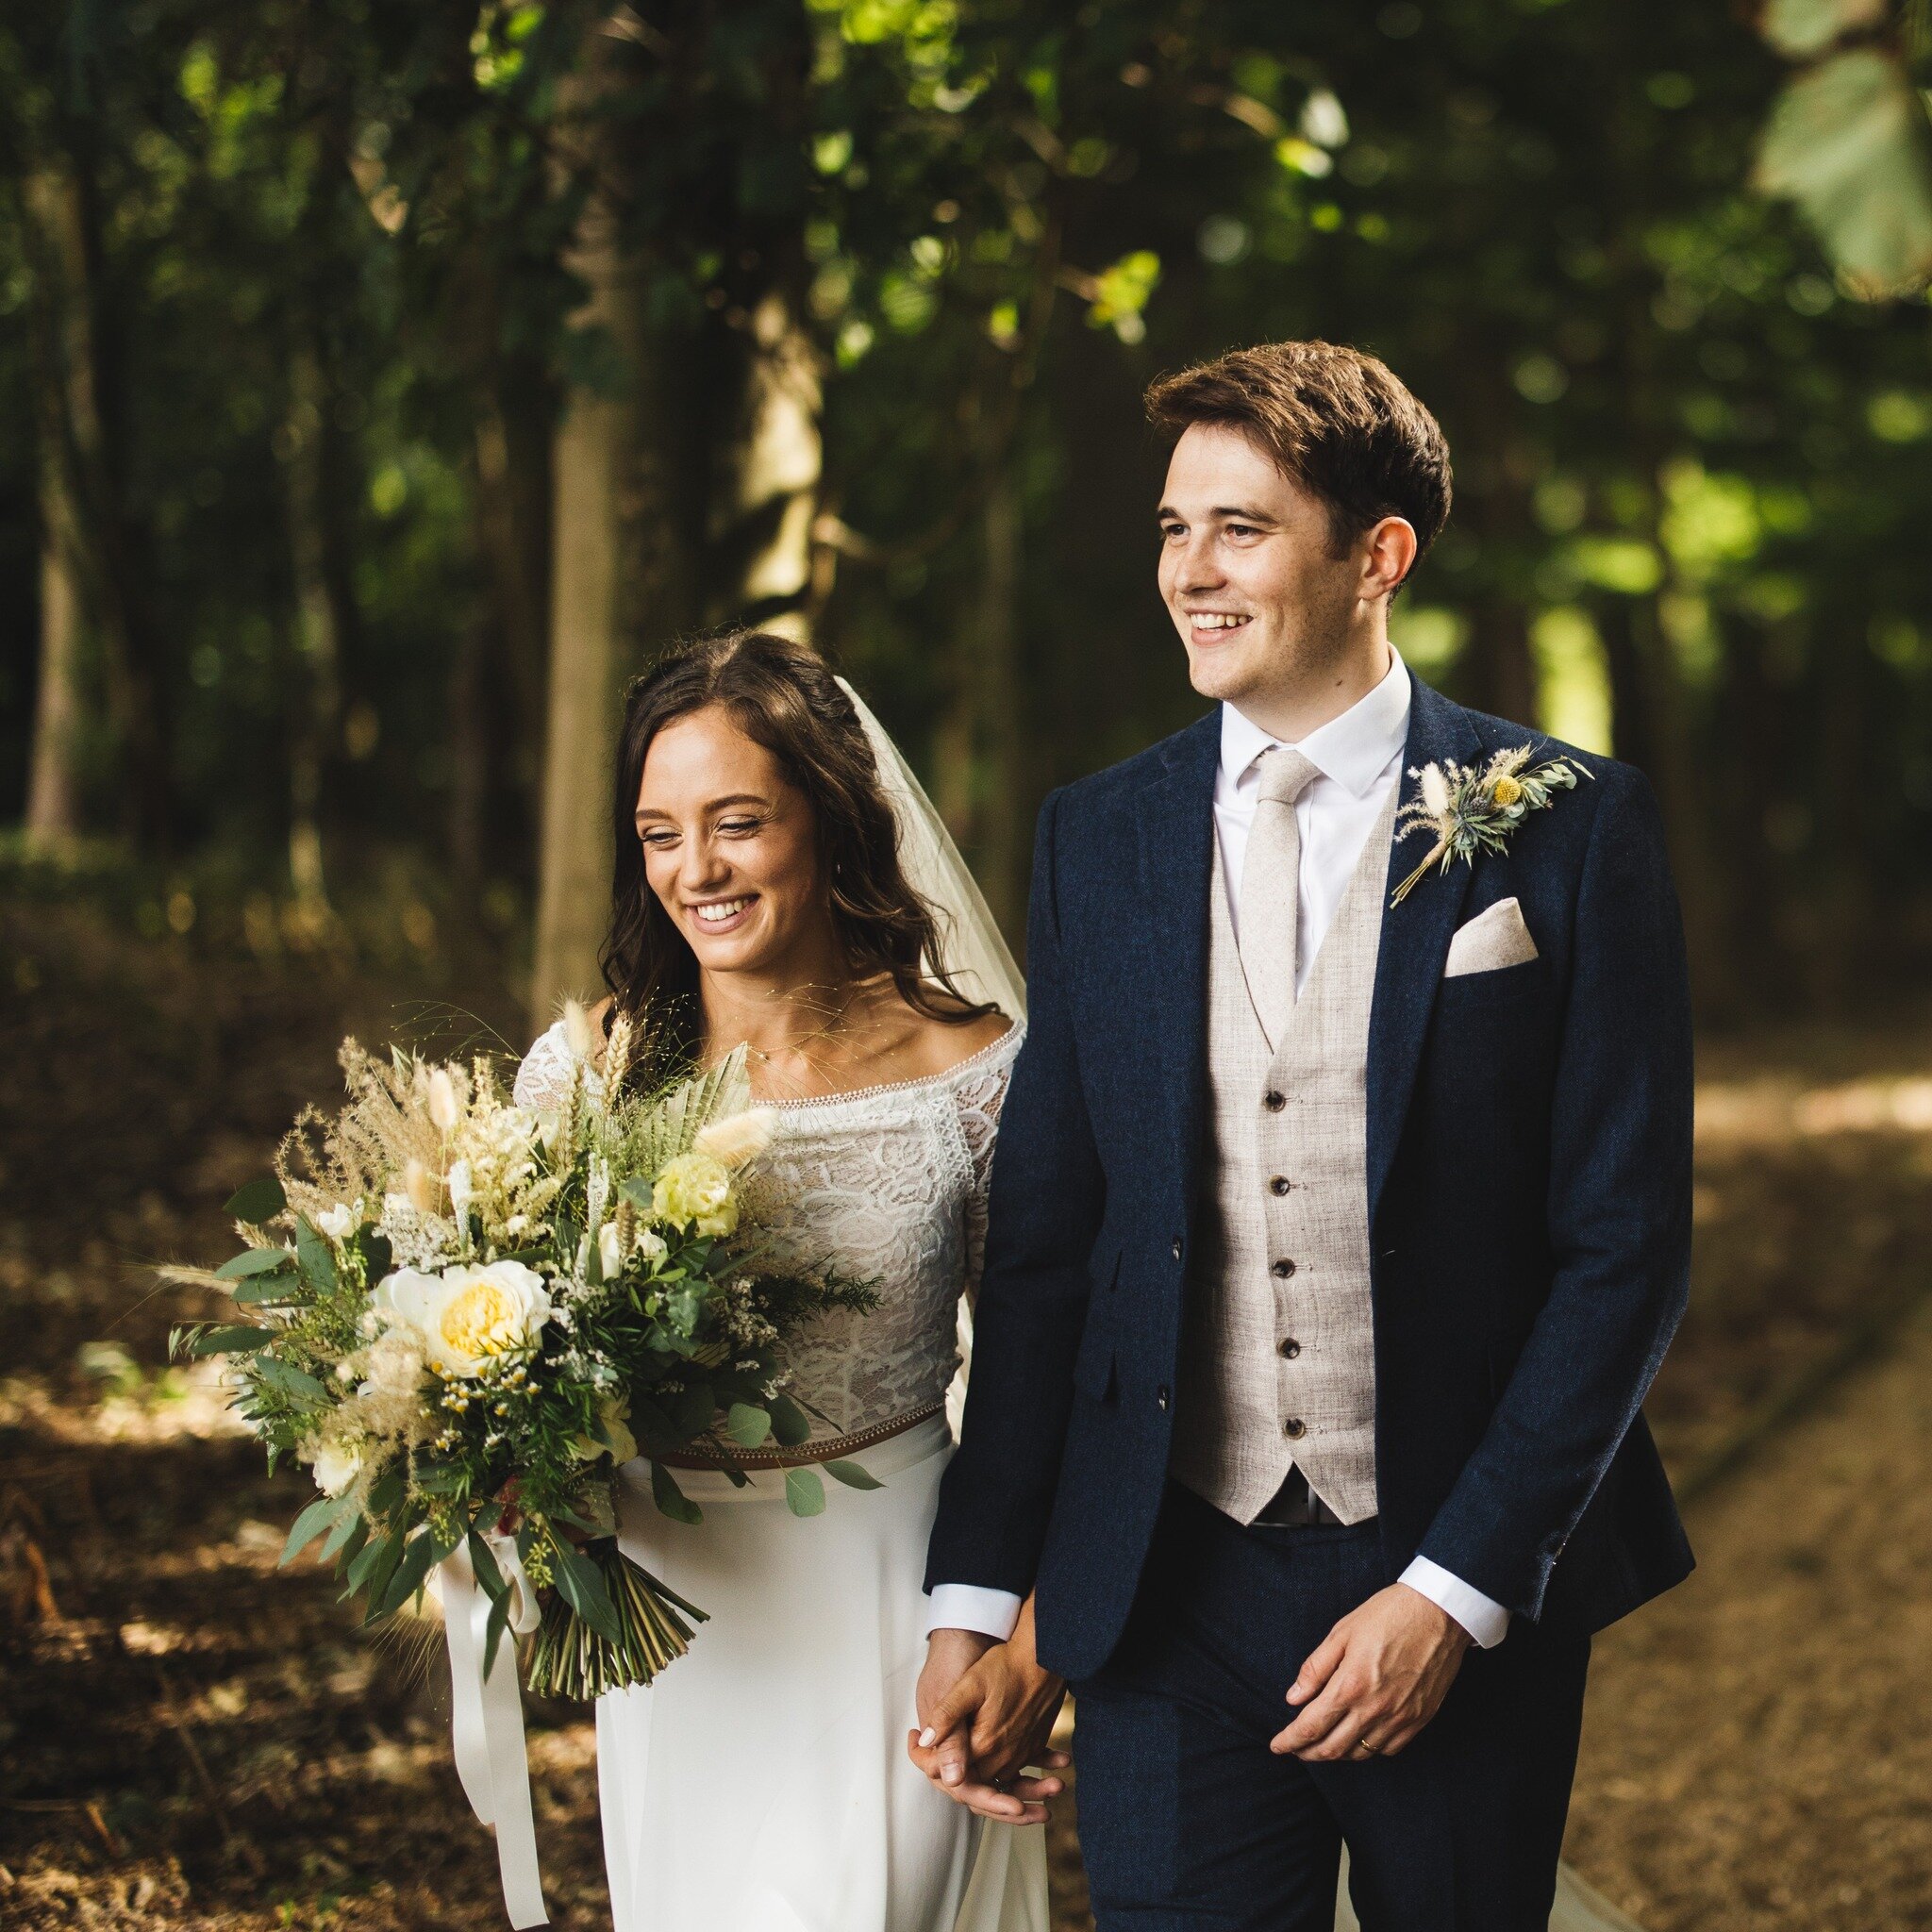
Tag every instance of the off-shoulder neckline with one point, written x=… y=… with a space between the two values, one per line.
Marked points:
x=972 y=1063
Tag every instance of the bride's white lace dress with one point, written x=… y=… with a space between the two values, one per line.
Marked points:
x=762 y=1784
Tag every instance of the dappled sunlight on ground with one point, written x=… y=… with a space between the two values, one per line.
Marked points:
x=192 y=1740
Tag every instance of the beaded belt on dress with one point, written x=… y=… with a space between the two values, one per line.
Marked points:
x=826 y=1449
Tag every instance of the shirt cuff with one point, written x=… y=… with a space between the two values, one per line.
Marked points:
x=1485 y=1620
x=970 y=1607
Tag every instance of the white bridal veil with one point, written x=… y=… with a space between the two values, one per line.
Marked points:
x=976 y=952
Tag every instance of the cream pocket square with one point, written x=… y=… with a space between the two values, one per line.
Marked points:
x=1490 y=940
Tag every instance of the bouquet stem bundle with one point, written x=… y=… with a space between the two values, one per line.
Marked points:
x=569 y=1657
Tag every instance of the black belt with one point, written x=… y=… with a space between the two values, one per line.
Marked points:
x=1294 y=1506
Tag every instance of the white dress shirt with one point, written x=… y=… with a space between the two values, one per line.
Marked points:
x=1358 y=756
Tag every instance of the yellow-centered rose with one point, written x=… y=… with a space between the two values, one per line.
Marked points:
x=471 y=1316
x=695 y=1192
x=1507 y=791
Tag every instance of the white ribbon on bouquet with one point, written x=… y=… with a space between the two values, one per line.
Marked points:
x=487 y=1719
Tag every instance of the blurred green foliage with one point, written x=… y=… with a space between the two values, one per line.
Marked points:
x=1690 y=457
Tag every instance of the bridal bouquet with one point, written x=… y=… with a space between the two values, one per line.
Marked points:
x=462 y=1315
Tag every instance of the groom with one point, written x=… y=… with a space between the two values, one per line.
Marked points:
x=1334 y=1241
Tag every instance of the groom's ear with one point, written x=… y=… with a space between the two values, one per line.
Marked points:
x=1388 y=554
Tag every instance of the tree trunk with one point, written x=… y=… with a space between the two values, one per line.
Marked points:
x=1502 y=672
x=979 y=748
x=515 y=430
x=53 y=798
x=622 y=571
x=315 y=695
x=771 y=483
x=469 y=736
x=63 y=237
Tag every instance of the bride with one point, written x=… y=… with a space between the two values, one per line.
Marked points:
x=762 y=899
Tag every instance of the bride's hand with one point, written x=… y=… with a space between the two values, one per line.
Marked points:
x=994 y=1722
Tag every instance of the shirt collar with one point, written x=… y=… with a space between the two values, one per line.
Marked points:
x=1353 y=749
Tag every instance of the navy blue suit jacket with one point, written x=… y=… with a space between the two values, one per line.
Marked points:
x=1529 y=1197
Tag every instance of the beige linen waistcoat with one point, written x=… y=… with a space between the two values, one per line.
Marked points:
x=1278 y=1367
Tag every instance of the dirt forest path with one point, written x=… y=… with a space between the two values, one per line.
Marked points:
x=1757 y=1750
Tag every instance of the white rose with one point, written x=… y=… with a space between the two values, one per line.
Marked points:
x=738 y=1138
x=335 y=1466
x=339 y=1222
x=609 y=1251
x=468 y=1317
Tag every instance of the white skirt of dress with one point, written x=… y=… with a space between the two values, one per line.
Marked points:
x=761 y=1784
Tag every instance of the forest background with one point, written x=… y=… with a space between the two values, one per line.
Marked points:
x=381 y=386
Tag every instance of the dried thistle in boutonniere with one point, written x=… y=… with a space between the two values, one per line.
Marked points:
x=1473 y=809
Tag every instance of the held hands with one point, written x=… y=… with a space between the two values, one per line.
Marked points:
x=987 y=1711
x=1373 y=1683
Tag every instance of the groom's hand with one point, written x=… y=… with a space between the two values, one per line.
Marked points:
x=1375 y=1680
x=978 y=1726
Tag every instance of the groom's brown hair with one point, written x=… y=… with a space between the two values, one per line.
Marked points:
x=1338 y=422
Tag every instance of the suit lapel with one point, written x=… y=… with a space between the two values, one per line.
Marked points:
x=1176 y=831
x=1415 y=937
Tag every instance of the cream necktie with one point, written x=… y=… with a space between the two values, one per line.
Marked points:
x=1271 y=890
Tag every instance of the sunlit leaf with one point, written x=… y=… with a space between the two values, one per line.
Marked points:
x=1848 y=142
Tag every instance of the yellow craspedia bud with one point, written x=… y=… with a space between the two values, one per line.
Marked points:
x=695 y=1192
x=1507 y=791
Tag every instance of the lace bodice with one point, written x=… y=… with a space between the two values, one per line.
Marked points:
x=888 y=1183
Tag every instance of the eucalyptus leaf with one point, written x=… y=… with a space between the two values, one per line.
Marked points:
x=852 y=1476
x=581 y=1583
x=319 y=1515
x=388 y=1491
x=789 y=1423
x=690 y=1410
x=291 y=1380
x=278 y=1290
x=670 y=1499
x=418 y=1554
x=315 y=1258
x=804 y=1494
x=258 y=1202
x=370 y=1559
x=346 y=1538
x=255 y=1261
x=235 y=1337
x=483 y=1560
x=747 y=1427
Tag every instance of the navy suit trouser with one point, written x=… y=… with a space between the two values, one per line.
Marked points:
x=1190 y=1823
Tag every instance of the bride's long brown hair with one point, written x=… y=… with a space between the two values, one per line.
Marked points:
x=781 y=695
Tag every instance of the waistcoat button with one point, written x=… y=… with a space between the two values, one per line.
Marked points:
x=1283 y=1269
x=1278 y=1184
x=1288 y=1348
x=1160 y=1396
x=1294 y=1428
x=1176 y=1250
x=1275 y=1102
